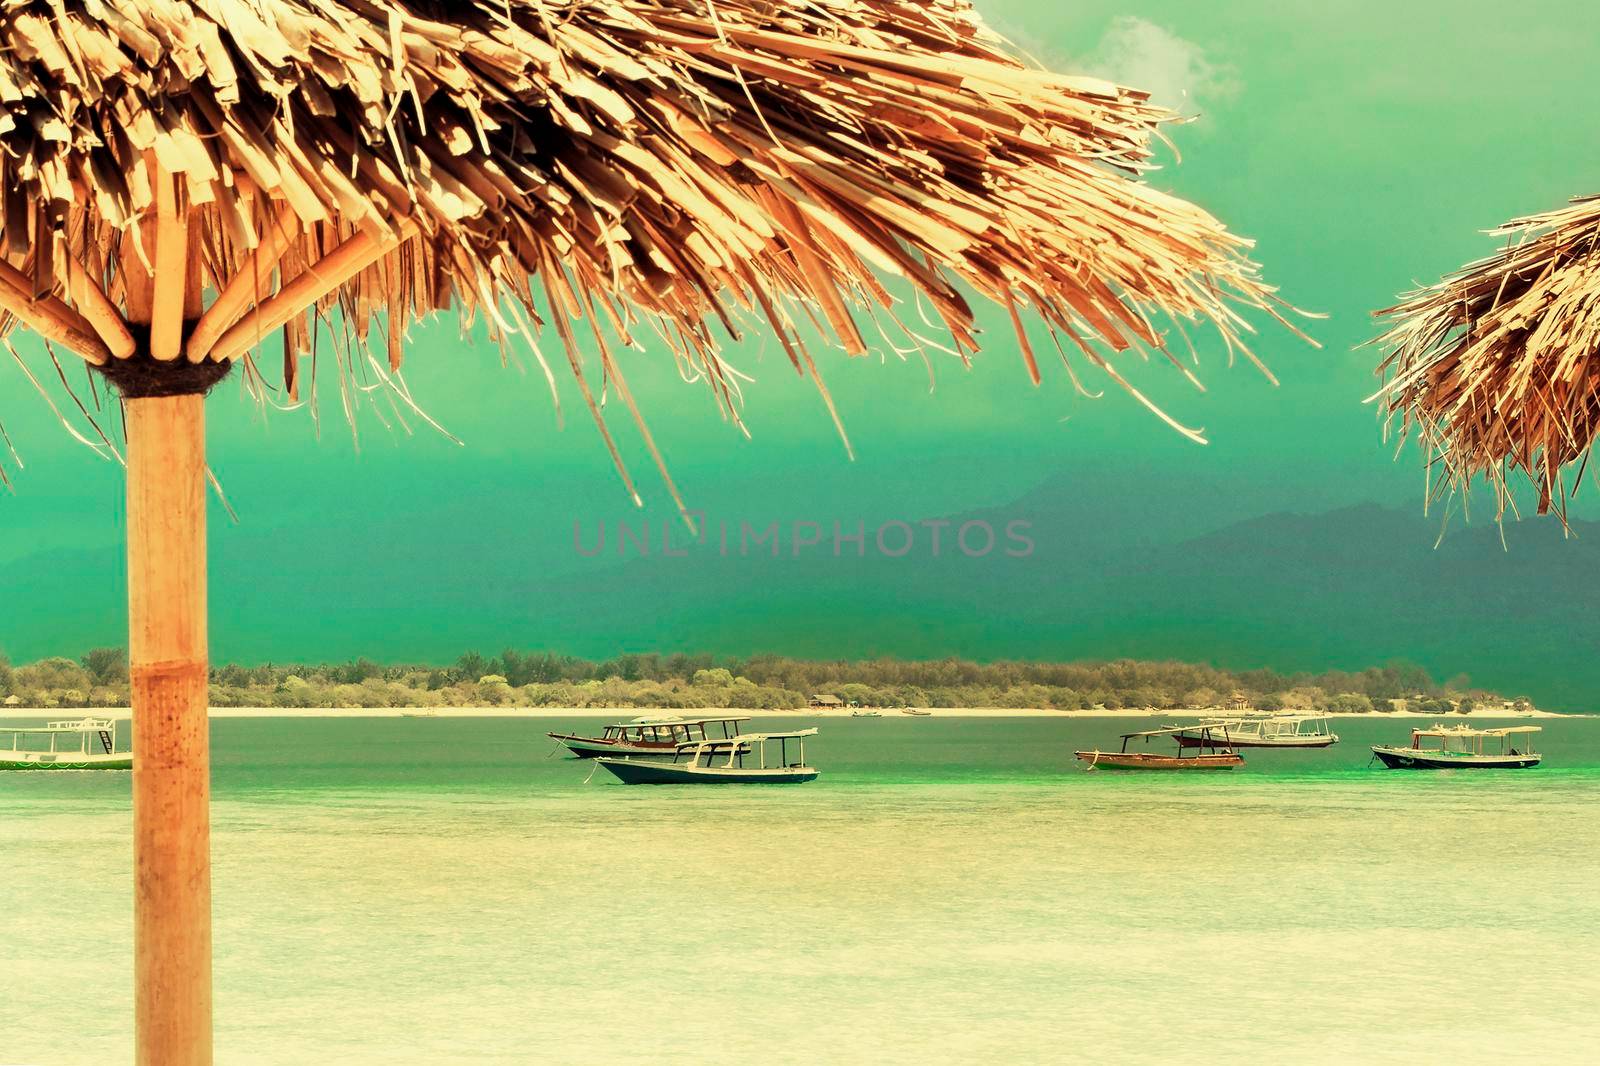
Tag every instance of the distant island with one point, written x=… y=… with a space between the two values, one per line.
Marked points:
x=99 y=678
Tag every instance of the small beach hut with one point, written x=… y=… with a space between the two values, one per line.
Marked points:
x=1497 y=367
x=194 y=186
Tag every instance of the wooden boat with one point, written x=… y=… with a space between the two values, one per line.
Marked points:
x=648 y=736
x=94 y=749
x=720 y=762
x=1461 y=747
x=917 y=712
x=866 y=714
x=1267 y=731
x=1212 y=753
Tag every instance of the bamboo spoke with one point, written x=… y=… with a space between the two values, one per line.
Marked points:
x=49 y=317
x=172 y=263
x=96 y=307
x=321 y=278
x=245 y=287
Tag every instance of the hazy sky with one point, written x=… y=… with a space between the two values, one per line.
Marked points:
x=1363 y=144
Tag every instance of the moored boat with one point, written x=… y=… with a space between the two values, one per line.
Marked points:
x=1267 y=731
x=917 y=712
x=714 y=762
x=95 y=747
x=866 y=714
x=648 y=736
x=1462 y=747
x=1211 y=753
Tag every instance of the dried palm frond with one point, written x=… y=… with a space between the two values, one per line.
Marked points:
x=1497 y=367
x=641 y=165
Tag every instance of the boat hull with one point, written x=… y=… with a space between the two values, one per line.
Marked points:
x=650 y=772
x=1418 y=759
x=1140 y=760
x=47 y=760
x=1260 y=742
x=590 y=747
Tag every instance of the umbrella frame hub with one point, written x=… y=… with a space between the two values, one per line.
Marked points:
x=141 y=375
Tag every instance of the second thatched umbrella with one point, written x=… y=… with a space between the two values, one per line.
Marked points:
x=1497 y=368
x=184 y=180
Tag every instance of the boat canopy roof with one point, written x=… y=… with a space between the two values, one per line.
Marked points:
x=75 y=725
x=747 y=738
x=1168 y=730
x=670 y=720
x=1468 y=731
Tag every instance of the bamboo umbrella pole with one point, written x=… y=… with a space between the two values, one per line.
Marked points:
x=171 y=743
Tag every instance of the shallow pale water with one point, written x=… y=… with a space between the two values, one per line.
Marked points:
x=951 y=890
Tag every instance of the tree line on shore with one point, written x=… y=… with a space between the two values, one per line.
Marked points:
x=99 y=678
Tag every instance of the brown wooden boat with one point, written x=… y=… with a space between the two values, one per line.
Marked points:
x=1209 y=752
x=1149 y=760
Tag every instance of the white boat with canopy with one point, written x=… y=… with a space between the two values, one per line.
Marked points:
x=649 y=736
x=1267 y=731
x=69 y=744
x=709 y=762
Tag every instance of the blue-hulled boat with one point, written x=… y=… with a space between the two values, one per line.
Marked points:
x=648 y=736
x=1462 y=748
x=721 y=762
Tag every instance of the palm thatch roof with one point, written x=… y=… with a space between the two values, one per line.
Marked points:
x=1497 y=367
x=668 y=171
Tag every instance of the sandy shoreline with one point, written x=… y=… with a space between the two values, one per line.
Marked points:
x=623 y=714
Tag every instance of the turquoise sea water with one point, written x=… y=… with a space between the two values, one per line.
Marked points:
x=950 y=890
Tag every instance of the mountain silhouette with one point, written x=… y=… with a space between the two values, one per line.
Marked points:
x=1347 y=589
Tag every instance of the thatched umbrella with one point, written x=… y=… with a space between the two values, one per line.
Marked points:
x=184 y=180
x=1497 y=367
